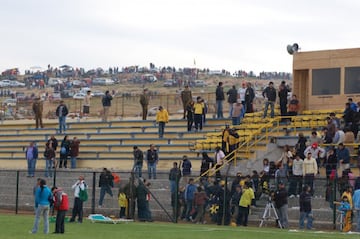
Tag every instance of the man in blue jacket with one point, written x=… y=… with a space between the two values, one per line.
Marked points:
x=189 y=197
x=343 y=156
x=31 y=155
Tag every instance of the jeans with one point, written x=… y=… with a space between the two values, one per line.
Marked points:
x=49 y=167
x=173 y=186
x=161 y=129
x=73 y=161
x=189 y=205
x=31 y=163
x=235 y=120
x=138 y=170
x=283 y=215
x=271 y=103
x=309 y=218
x=152 y=170
x=358 y=220
x=104 y=189
x=62 y=124
x=41 y=210
x=230 y=110
x=219 y=109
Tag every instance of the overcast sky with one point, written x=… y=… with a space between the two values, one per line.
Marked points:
x=218 y=34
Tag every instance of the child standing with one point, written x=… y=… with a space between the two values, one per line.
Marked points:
x=122 y=200
x=345 y=208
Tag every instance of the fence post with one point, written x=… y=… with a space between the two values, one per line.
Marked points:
x=93 y=193
x=17 y=192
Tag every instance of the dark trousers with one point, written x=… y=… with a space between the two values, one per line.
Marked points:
x=190 y=122
x=144 y=112
x=198 y=121
x=122 y=212
x=283 y=108
x=63 y=160
x=77 y=210
x=60 y=222
x=243 y=215
x=295 y=186
x=309 y=180
x=38 y=121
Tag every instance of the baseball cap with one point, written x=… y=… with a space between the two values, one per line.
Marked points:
x=314 y=145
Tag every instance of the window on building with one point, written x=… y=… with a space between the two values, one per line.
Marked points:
x=326 y=81
x=352 y=80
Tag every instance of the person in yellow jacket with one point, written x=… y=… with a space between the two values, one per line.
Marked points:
x=123 y=203
x=162 y=117
x=244 y=204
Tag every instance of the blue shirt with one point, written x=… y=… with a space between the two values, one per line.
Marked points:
x=356 y=199
x=42 y=196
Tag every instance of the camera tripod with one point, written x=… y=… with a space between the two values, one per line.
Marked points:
x=270 y=213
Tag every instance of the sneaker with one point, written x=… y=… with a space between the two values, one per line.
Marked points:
x=298 y=195
x=292 y=196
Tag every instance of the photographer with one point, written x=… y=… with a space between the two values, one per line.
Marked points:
x=281 y=204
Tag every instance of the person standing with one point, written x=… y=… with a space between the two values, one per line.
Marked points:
x=206 y=163
x=38 y=110
x=189 y=194
x=61 y=112
x=74 y=151
x=106 y=182
x=310 y=170
x=61 y=205
x=305 y=208
x=78 y=204
x=86 y=104
x=356 y=204
x=144 y=102
x=249 y=99
x=190 y=115
x=343 y=157
x=219 y=161
x=186 y=168
x=296 y=177
x=270 y=97
x=64 y=151
x=198 y=114
x=186 y=97
x=49 y=156
x=241 y=97
x=283 y=95
x=42 y=206
x=281 y=204
x=200 y=199
x=220 y=97
x=31 y=155
x=138 y=161
x=162 y=117
x=246 y=198
x=237 y=112
x=106 y=102
x=174 y=178
x=232 y=98
x=152 y=159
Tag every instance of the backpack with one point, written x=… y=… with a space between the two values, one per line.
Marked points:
x=83 y=195
x=63 y=151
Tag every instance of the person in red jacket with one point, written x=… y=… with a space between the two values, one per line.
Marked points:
x=61 y=204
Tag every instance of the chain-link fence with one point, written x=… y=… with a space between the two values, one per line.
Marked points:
x=155 y=197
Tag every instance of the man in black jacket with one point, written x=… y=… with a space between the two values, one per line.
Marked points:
x=281 y=204
x=305 y=208
x=220 y=97
x=106 y=102
x=270 y=97
x=232 y=98
x=106 y=182
x=61 y=113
